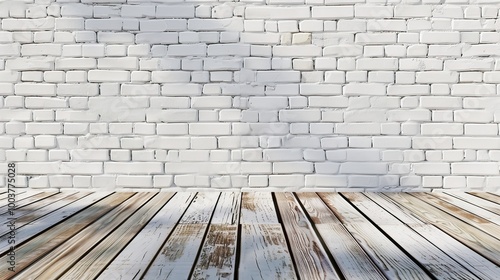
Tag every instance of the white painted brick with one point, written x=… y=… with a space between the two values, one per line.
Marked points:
x=35 y=89
x=259 y=12
x=428 y=168
x=476 y=143
x=329 y=181
x=333 y=12
x=475 y=168
x=363 y=168
x=286 y=181
x=473 y=90
x=133 y=168
x=364 y=89
x=127 y=63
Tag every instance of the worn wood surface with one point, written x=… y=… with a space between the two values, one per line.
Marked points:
x=259 y=235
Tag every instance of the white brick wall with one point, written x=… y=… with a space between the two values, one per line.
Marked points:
x=252 y=94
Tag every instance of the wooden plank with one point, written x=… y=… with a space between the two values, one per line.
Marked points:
x=5 y=194
x=201 y=209
x=486 y=204
x=488 y=196
x=228 y=207
x=100 y=256
x=135 y=258
x=310 y=257
x=477 y=264
x=217 y=258
x=353 y=262
x=476 y=239
x=43 y=243
x=264 y=253
x=478 y=211
x=218 y=254
x=26 y=199
x=258 y=208
x=434 y=260
x=38 y=209
x=467 y=217
x=177 y=256
x=390 y=259
x=67 y=254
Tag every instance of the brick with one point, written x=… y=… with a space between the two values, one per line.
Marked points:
x=75 y=63
x=286 y=181
x=297 y=51
x=333 y=12
x=430 y=168
x=412 y=11
x=377 y=64
x=173 y=11
x=439 y=37
x=138 y=11
x=476 y=143
x=227 y=24
x=278 y=76
x=328 y=181
x=473 y=90
x=163 y=25
x=474 y=168
x=440 y=102
x=133 y=168
x=363 y=168
x=209 y=129
x=103 y=24
x=122 y=63
x=12 y=24
x=140 y=90
x=256 y=12
x=77 y=89
x=442 y=129
x=170 y=77
x=353 y=89
x=108 y=76
x=35 y=89
x=373 y=11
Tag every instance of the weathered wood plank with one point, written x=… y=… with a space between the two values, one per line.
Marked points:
x=488 y=196
x=486 y=204
x=217 y=258
x=26 y=199
x=177 y=256
x=469 y=218
x=5 y=194
x=258 y=208
x=310 y=257
x=228 y=207
x=43 y=243
x=201 y=209
x=67 y=254
x=478 y=211
x=353 y=262
x=133 y=261
x=218 y=254
x=100 y=256
x=474 y=262
x=476 y=239
x=39 y=209
x=264 y=253
x=434 y=260
x=391 y=260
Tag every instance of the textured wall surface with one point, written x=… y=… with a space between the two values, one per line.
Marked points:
x=326 y=94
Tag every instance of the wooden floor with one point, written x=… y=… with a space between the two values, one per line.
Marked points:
x=261 y=235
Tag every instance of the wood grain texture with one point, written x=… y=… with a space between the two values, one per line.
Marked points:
x=43 y=223
x=478 y=211
x=133 y=261
x=392 y=261
x=26 y=199
x=178 y=255
x=468 y=217
x=201 y=208
x=310 y=257
x=353 y=262
x=434 y=260
x=264 y=253
x=218 y=253
x=91 y=265
x=217 y=258
x=258 y=208
x=46 y=241
x=478 y=201
x=488 y=196
x=474 y=262
x=228 y=207
x=476 y=239
x=36 y=210
x=67 y=254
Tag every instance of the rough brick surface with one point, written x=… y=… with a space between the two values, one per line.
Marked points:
x=367 y=95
